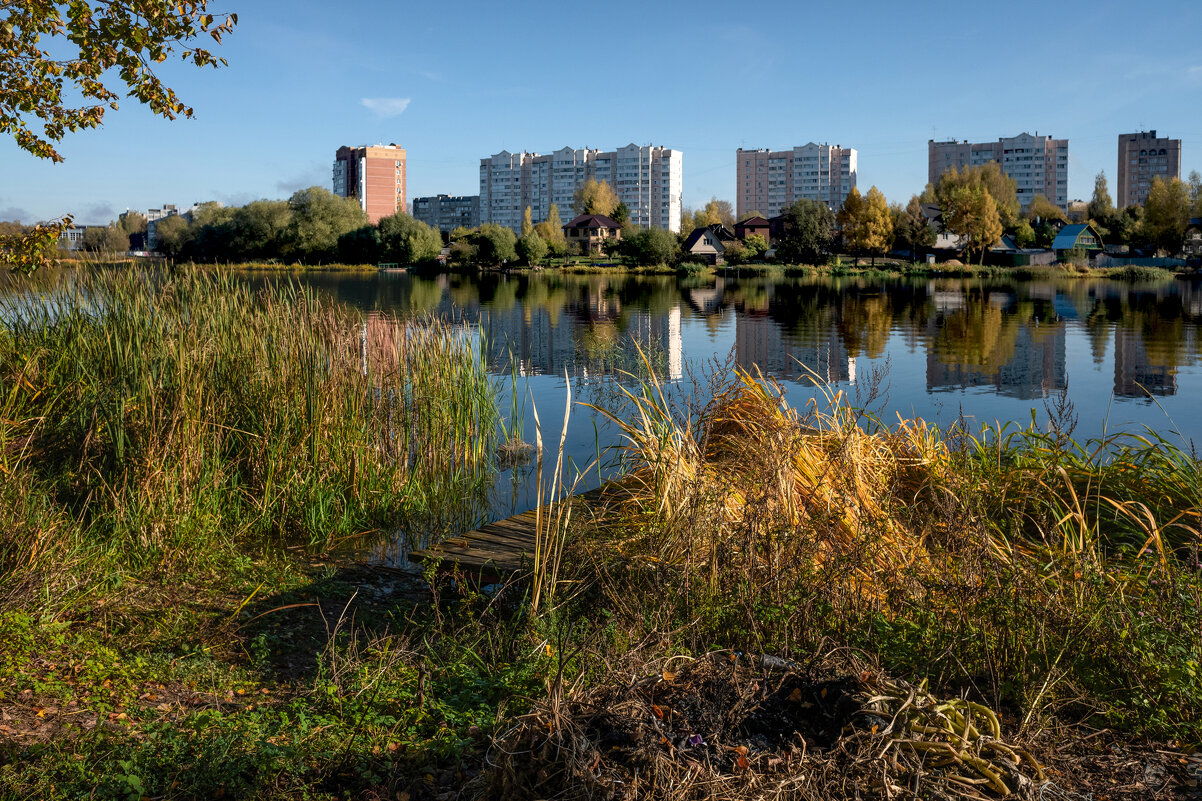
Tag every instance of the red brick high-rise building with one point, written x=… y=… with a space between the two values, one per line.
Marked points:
x=375 y=176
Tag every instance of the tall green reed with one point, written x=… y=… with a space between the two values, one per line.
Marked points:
x=164 y=412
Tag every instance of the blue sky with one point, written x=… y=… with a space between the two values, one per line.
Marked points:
x=455 y=82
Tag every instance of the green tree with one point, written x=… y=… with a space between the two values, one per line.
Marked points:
x=172 y=235
x=974 y=216
x=621 y=214
x=911 y=230
x=407 y=240
x=595 y=197
x=258 y=229
x=1045 y=234
x=361 y=246
x=1166 y=214
x=210 y=234
x=988 y=177
x=1043 y=210
x=531 y=248
x=495 y=244
x=108 y=240
x=756 y=246
x=1024 y=234
x=809 y=232
x=25 y=248
x=736 y=253
x=527 y=222
x=649 y=246
x=1100 y=205
x=319 y=218
x=132 y=222
x=54 y=51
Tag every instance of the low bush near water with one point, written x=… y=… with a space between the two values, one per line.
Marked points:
x=1048 y=576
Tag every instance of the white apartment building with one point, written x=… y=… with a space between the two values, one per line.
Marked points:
x=168 y=210
x=767 y=181
x=1038 y=164
x=647 y=179
x=505 y=188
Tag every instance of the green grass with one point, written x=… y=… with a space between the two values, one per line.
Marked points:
x=178 y=451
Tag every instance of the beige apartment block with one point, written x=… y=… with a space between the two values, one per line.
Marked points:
x=648 y=179
x=1144 y=157
x=769 y=180
x=373 y=175
x=1038 y=164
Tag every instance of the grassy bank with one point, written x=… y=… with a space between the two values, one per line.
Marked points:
x=175 y=448
x=190 y=468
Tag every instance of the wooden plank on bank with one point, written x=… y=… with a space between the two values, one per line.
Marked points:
x=499 y=548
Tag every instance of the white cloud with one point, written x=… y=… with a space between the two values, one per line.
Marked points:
x=386 y=106
x=1194 y=73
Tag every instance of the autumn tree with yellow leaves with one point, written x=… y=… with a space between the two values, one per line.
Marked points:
x=595 y=197
x=866 y=222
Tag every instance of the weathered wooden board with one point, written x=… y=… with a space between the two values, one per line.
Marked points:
x=500 y=548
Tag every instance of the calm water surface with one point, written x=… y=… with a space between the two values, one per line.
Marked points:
x=1126 y=355
x=987 y=350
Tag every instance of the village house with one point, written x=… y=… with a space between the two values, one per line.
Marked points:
x=588 y=233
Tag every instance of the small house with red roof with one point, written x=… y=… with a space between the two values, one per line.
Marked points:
x=754 y=225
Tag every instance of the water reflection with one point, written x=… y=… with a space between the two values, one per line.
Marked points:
x=987 y=350
x=982 y=338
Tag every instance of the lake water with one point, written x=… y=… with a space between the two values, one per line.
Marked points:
x=985 y=350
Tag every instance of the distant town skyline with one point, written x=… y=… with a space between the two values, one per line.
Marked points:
x=298 y=86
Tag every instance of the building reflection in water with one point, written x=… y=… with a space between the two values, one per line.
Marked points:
x=1134 y=374
x=1036 y=368
x=585 y=345
x=761 y=343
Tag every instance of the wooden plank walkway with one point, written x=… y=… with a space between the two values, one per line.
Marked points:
x=499 y=548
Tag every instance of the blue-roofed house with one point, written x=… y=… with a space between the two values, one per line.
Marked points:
x=1080 y=238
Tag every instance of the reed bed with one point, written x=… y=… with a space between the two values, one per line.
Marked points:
x=1046 y=574
x=157 y=415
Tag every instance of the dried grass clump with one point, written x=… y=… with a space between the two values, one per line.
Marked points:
x=751 y=485
x=730 y=727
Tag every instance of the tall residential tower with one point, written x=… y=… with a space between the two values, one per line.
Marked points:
x=1143 y=157
x=767 y=181
x=1038 y=164
x=375 y=176
x=647 y=179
